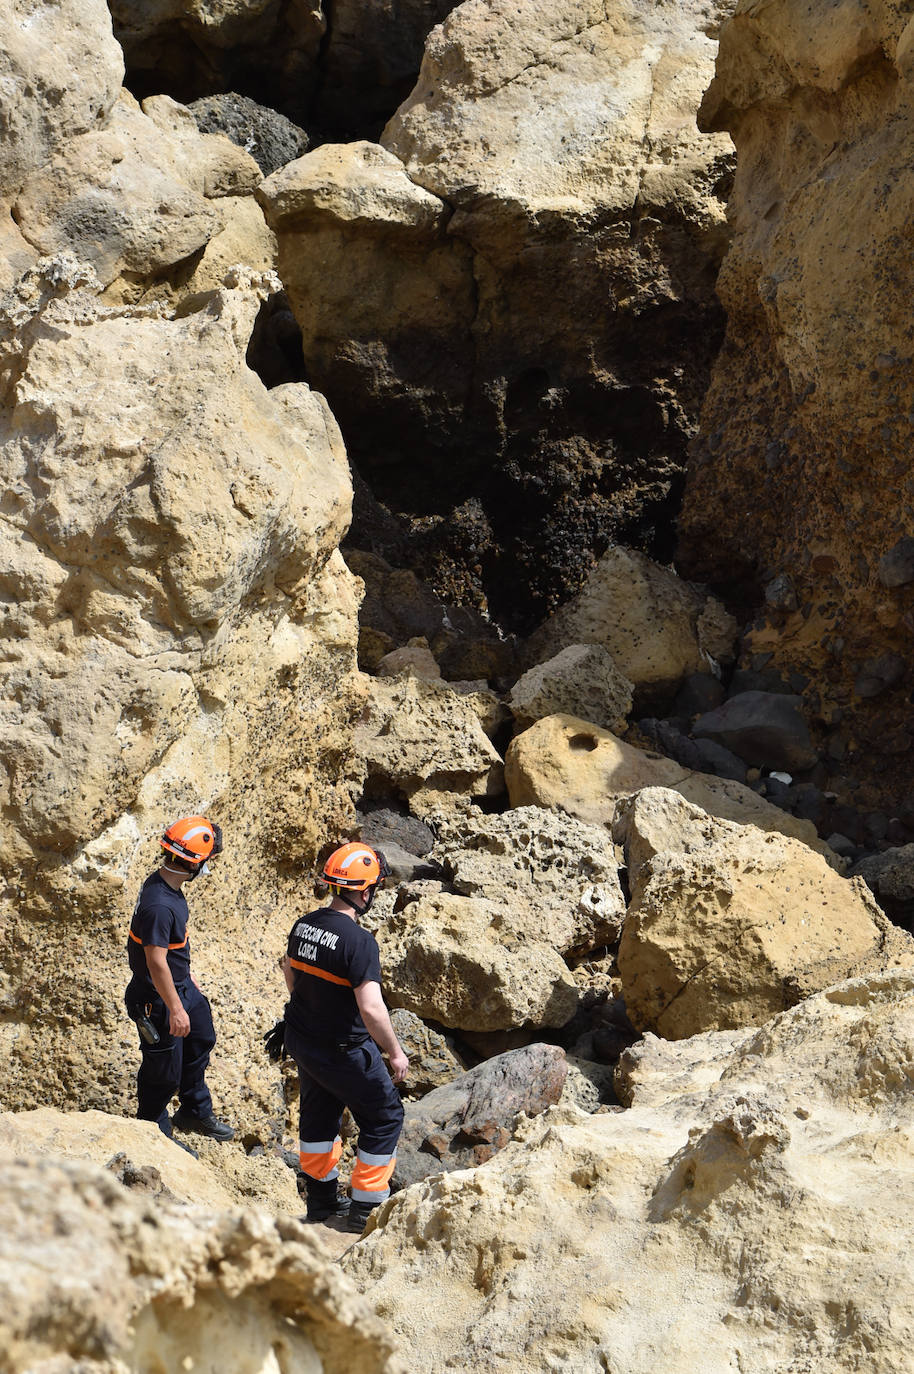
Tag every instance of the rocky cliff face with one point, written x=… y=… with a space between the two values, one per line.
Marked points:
x=798 y=494
x=509 y=305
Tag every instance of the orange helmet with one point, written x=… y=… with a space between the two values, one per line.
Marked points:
x=193 y=839
x=355 y=867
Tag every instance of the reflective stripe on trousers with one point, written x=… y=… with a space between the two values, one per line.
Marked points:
x=319 y=1158
x=371 y=1177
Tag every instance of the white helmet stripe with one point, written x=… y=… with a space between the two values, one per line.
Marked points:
x=359 y=854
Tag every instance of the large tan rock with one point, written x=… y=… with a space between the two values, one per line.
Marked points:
x=96 y=1279
x=42 y=106
x=460 y=961
x=581 y=680
x=420 y=739
x=651 y=623
x=134 y=198
x=575 y=767
x=558 y=877
x=728 y=926
x=812 y=389
x=178 y=634
x=771 y=1181
x=488 y=329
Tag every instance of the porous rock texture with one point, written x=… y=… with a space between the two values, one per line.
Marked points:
x=131 y=1282
x=41 y=106
x=558 y=875
x=570 y=765
x=515 y=328
x=728 y=926
x=657 y=628
x=461 y=961
x=178 y=633
x=137 y=1153
x=754 y=1212
x=809 y=409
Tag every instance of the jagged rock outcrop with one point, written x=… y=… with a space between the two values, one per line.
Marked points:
x=728 y=926
x=513 y=297
x=808 y=413
x=573 y=766
x=465 y=1122
x=558 y=876
x=92 y=1278
x=575 y=1244
x=179 y=632
x=422 y=741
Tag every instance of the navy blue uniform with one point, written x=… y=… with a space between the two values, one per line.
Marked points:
x=339 y=1065
x=176 y=1064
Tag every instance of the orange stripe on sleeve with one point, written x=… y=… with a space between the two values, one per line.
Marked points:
x=140 y=942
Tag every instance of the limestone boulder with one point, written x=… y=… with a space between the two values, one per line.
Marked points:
x=420 y=740
x=557 y=875
x=575 y=1244
x=573 y=766
x=42 y=107
x=96 y=1279
x=136 y=197
x=464 y=1123
x=727 y=926
x=650 y=622
x=488 y=330
x=459 y=961
x=581 y=680
x=108 y=198
x=813 y=378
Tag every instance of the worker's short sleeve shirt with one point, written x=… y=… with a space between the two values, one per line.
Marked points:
x=330 y=956
x=159 y=918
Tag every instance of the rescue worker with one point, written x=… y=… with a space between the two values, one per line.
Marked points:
x=163 y=997
x=335 y=1025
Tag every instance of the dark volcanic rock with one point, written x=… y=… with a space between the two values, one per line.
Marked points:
x=270 y=138
x=764 y=728
x=465 y=1122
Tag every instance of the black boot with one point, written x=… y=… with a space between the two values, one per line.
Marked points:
x=324 y=1200
x=359 y=1212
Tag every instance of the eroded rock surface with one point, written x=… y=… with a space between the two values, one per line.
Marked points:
x=573 y=766
x=129 y=1284
x=507 y=322
x=784 y=1158
x=727 y=926
x=808 y=413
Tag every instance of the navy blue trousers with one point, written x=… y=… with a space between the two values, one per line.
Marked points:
x=354 y=1076
x=176 y=1064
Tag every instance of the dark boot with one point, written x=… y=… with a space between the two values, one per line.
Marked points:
x=324 y=1200
x=359 y=1212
